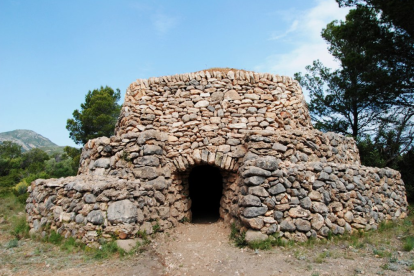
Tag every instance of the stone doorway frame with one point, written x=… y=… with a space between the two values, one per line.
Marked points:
x=228 y=210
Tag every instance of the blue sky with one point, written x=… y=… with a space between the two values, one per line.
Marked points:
x=53 y=52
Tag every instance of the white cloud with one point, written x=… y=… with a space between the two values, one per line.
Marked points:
x=164 y=23
x=291 y=29
x=305 y=30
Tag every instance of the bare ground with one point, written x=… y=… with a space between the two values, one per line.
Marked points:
x=205 y=249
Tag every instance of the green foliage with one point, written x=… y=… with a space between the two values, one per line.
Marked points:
x=21 y=187
x=75 y=154
x=33 y=160
x=369 y=153
x=59 y=169
x=20 y=169
x=20 y=228
x=408 y=243
x=156 y=228
x=20 y=191
x=386 y=226
x=340 y=100
x=372 y=91
x=97 y=117
x=388 y=37
x=381 y=253
x=125 y=156
x=71 y=245
x=12 y=243
x=54 y=238
x=10 y=150
x=10 y=154
x=106 y=250
x=239 y=238
x=143 y=235
x=405 y=166
x=262 y=245
x=184 y=220
x=10 y=205
x=322 y=256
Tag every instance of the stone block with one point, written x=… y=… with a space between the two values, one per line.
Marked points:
x=123 y=211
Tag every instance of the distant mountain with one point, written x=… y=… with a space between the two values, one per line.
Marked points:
x=29 y=139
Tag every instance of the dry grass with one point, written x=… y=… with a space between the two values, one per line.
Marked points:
x=222 y=70
x=390 y=247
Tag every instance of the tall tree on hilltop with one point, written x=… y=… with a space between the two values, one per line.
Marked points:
x=97 y=117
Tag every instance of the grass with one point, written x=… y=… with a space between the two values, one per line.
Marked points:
x=156 y=228
x=386 y=244
x=71 y=245
x=224 y=70
x=105 y=251
x=262 y=245
x=322 y=256
x=408 y=243
x=54 y=238
x=19 y=227
x=239 y=238
x=381 y=253
x=12 y=243
x=16 y=228
x=10 y=206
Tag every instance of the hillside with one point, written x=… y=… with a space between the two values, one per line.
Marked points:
x=29 y=139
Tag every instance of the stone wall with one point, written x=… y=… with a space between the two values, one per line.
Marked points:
x=311 y=199
x=279 y=174
x=204 y=108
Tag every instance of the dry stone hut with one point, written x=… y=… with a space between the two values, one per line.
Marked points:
x=234 y=145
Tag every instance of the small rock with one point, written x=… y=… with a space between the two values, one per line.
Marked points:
x=255 y=236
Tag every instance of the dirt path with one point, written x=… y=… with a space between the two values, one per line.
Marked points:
x=205 y=249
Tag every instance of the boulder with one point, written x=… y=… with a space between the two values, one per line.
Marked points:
x=287 y=225
x=267 y=163
x=102 y=163
x=250 y=200
x=302 y=225
x=123 y=211
x=128 y=245
x=277 y=189
x=95 y=217
x=252 y=236
x=254 y=180
x=251 y=212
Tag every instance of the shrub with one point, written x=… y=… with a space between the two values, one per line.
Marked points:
x=156 y=228
x=106 y=250
x=238 y=238
x=408 y=243
x=71 y=245
x=21 y=188
x=10 y=205
x=12 y=243
x=262 y=245
x=20 y=228
x=55 y=238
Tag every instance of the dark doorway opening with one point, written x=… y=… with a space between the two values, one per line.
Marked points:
x=206 y=188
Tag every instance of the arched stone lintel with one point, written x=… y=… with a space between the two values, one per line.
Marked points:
x=205 y=157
